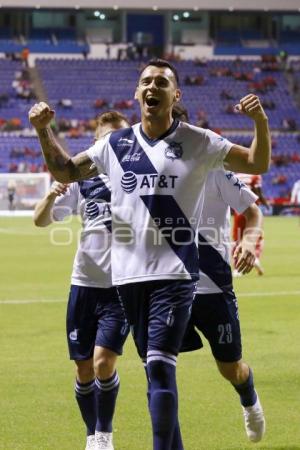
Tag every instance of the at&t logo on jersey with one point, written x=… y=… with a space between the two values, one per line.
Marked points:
x=129 y=181
x=92 y=210
x=174 y=151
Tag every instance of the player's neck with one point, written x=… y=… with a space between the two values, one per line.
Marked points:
x=156 y=127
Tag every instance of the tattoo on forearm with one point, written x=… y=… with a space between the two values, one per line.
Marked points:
x=55 y=156
x=58 y=160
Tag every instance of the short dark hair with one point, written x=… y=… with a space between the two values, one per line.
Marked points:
x=161 y=63
x=111 y=117
x=180 y=112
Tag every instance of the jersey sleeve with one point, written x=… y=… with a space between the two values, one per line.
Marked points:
x=217 y=148
x=233 y=192
x=67 y=204
x=99 y=154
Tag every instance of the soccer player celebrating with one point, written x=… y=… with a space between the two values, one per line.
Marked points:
x=215 y=308
x=96 y=325
x=157 y=169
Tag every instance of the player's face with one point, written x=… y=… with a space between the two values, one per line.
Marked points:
x=157 y=91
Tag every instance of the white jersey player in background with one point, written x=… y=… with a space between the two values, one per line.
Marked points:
x=158 y=170
x=96 y=325
x=215 y=308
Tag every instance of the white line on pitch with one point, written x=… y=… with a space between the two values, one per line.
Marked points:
x=26 y=302
x=267 y=294
x=241 y=294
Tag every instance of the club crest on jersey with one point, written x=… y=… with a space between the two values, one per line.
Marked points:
x=128 y=182
x=174 y=151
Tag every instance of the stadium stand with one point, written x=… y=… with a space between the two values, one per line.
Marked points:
x=79 y=89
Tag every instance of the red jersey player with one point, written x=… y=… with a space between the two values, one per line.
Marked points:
x=254 y=182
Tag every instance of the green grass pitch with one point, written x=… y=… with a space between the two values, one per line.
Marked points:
x=37 y=408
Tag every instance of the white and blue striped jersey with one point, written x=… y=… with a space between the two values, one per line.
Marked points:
x=222 y=191
x=157 y=196
x=90 y=199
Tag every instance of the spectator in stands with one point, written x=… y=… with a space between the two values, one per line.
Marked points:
x=280 y=160
x=25 y=56
x=202 y=62
x=268 y=104
x=13 y=167
x=65 y=103
x=289 y=124
x=230 y=109
x=124 y=104
x=243 y=76
x=3 y=99
x=100 y=103
x=13 y=124
x=226 y=95
x=194 y=81
x=269 y=82
x=279 y=179
x=202 y=119
x=295 y=158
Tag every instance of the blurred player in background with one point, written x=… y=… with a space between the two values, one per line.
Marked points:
x=11 y=193
x=158 y=170
x=215 y=307
x=96 y=325
x=295 y=195
x=253 y=182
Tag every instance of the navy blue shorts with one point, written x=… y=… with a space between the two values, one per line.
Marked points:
x=217 y=317
x=158 y=313
x=94 y=318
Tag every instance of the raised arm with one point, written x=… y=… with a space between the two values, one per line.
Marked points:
x=43 y=216
x=256 y=159
x=244 y=255
x=62 y=166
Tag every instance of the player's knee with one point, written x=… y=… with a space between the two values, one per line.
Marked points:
x=236 y=372
x=85 y=371
x=104 y=366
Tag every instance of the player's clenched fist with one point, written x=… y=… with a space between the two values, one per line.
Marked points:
x=40 y=115
x=251 y=106
x=58 y=189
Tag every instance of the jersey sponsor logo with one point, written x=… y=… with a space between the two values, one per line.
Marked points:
x=124 y=142
x=132 y=158
x=162 y=181
x=174 y=151
x=129 y=181
x=91 y=210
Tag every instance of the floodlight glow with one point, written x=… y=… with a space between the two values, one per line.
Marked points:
x=186 y=14
x=96 y=13
x=176 y=17
x=102 y=16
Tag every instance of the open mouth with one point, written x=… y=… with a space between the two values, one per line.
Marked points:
x=152 y=101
